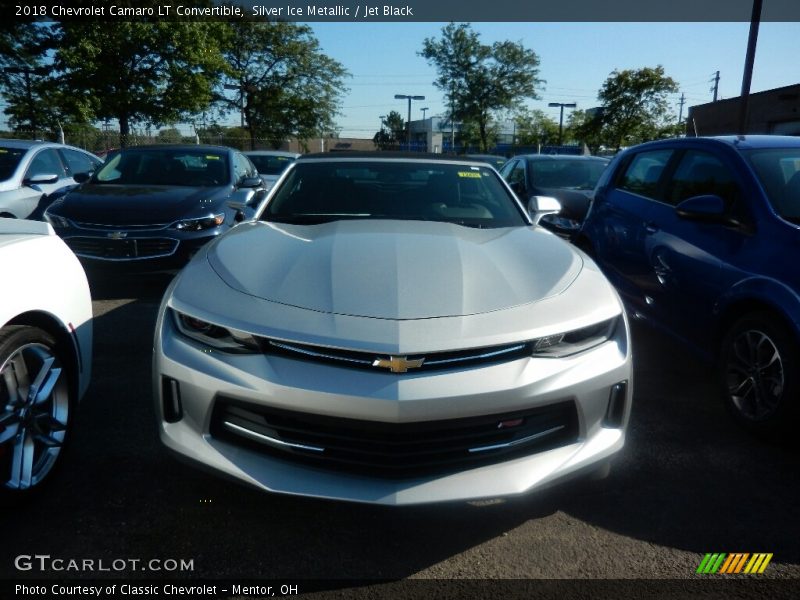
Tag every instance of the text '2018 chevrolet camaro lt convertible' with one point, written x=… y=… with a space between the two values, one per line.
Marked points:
x=393 y=330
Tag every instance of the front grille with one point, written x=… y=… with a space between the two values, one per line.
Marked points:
x=122 y=249
x=394 y=450
x=388 y=364
x=117 y=227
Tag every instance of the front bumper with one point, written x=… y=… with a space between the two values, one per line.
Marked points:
x=190 y=381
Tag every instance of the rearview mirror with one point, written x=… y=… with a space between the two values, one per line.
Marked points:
x=41 y=178
x=708 y=207
x=251 y=182
x=539 y=206
x=82 y=177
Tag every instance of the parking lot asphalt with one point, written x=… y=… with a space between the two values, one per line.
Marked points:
x=689 y=482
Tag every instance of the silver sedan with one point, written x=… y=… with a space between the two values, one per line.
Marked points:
x=394 y=331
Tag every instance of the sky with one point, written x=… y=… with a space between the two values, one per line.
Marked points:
x=575 y=60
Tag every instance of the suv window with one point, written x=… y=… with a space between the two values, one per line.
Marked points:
x=46 y=162
x=643 y=173
x=701 y=173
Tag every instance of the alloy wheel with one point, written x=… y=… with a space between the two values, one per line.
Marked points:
x=34 y=412
x=755 y=375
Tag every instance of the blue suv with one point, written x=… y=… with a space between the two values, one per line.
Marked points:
x=701 y=236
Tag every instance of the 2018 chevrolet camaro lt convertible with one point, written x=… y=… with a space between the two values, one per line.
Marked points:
x=394 y=330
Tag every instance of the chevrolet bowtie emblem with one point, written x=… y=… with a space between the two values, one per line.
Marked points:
x=398 y=364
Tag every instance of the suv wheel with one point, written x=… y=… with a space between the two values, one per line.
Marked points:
x=35 y=409
x=759 y=372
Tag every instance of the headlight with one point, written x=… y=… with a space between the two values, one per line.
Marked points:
x=199 y=224
x=573 y=342
x=228 y=340
x=57 y=221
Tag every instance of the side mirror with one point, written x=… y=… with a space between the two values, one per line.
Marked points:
x=539 y=206
x=41 y=178
x=708 y=207
x=82 y=177
x=251 y=182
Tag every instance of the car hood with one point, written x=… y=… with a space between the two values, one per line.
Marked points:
x=135 y=205
x=394 y=269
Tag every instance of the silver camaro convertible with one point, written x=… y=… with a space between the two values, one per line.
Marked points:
x=393 y=330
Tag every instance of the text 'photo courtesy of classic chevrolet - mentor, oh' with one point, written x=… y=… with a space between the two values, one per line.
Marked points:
x=394 y=330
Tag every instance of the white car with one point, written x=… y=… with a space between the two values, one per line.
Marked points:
x=34 y=173
x=45 y=352
x=401 y=332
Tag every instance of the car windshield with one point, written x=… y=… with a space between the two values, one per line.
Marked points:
x=318 y=192
x=566 y=173
x=165 y=167
x=9 y=159
x=778 y=170
x=270 y=165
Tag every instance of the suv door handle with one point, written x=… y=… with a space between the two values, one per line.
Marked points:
x=651 y=227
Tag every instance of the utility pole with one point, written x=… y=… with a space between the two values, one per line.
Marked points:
x=563 y=105
x=680 y=112
x=715 y=87
x=755 y=21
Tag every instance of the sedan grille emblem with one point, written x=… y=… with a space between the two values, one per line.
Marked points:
x=398 y=364
x=117 y=235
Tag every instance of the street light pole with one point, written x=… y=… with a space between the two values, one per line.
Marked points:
x=408 y=123
x=562 y=105
x=424 y=110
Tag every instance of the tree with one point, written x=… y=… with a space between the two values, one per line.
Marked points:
x=635 y=107
x=392 y=131
x=533 y=127
x=480 y=80
x=24 y=78
x=586 y=126
x=139 y=71
x=284 y=84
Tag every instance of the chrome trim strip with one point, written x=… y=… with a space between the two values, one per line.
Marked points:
x=268 y=440
x=517 y=442
x=112 y=227
x=291 y=348
x=475 y=356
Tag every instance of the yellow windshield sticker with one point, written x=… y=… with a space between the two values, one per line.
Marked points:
x=212 y=157
x=470 y=174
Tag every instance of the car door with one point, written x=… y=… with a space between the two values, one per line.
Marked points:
x=686 y=252
x=619 y=226
x=35 y=191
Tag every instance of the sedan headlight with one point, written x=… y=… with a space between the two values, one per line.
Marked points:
x=200 y=224
x=573 y=342
x=227 y=340
x=57 y=221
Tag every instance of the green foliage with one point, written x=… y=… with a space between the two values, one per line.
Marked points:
x=392 y=132
x=139 y=71
x=478 y=79
x=534 y=127
x=281 y=78
x=25 y=79
x=635 y=107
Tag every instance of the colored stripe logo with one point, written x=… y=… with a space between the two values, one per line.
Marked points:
x=732 y=564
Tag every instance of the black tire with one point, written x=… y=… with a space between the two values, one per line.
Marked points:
x=36 y=408
x=759 y=373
